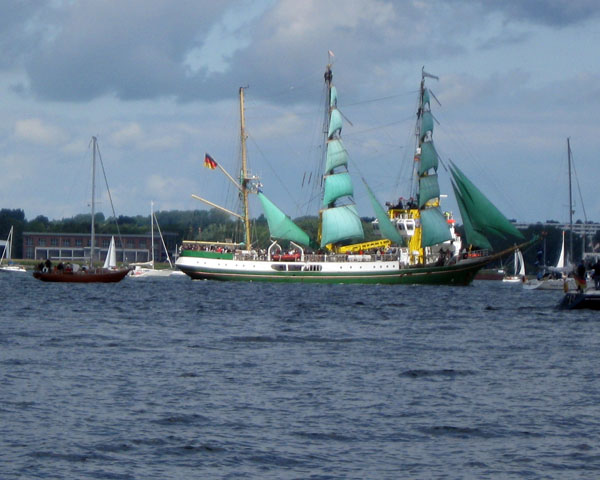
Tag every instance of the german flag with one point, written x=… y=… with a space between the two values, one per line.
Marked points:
x=209 y=162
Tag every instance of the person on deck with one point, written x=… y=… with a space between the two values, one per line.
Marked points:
x=580 y=277
x=596 y=268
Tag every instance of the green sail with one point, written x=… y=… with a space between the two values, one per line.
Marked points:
x=336 y=186
x=426 y=123
x=333 y=97
x=473 y=236
x=426 y=97
x=428 y=189
x=335 y=122
x=281 y=226
x=336 y=155
x=429 y=158
x=341 y=224
x=483 y=214
x=386 y=227
x=434 y=227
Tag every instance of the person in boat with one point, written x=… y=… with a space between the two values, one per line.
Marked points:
x=580 y=277
x=596 y=274
x=442 y=258
x=48 y=265
x=400 y=204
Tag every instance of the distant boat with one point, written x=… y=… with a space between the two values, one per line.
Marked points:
x=519 y=269
x=555 y=277
x=418 y=243
x=146 y=269
x=9 y=266
x=590 y=299
x=73 y=273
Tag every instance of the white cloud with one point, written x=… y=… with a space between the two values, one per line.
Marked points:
x=35 y=130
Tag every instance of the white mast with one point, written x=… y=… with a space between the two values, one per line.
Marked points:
x=152 y=229
x=93 y=232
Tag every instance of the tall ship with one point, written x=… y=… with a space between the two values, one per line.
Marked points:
x=417 y=242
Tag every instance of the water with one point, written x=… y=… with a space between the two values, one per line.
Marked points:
x=174 y=379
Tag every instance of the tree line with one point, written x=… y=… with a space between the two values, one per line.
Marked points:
x=215 y=225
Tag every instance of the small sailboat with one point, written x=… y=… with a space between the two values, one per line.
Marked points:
x=417 y=244
x=555 y=277
x=8 y=266
x=559 y=276
x=519 y=269
x=73 y=273
x=147 y=269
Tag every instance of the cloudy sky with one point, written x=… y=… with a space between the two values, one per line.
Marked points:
x=157 y=82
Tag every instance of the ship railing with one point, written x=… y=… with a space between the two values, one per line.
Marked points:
x=311 y=257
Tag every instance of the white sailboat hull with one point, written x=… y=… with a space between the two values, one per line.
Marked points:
x=12 y=269
x=550 y=284
x=150 y=272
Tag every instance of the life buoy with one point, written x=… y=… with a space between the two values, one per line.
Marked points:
x=45 y=269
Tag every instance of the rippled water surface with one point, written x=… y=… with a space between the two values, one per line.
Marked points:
x=174 y=379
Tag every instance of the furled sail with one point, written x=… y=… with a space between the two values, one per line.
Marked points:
x=281 y=226
x=339 y=219
x=482 y=214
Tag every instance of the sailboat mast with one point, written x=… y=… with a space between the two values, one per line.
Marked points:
x=152 y=229
x=244 y=171
x=93 y=230
x=570 y=202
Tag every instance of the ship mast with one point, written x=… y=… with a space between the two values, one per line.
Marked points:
x=244 y=173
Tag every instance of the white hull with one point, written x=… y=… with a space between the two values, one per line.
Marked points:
x=359 y=265
x=550 y=284
x=513 y=279
x=12 y=269
x=374 y=269
x=150 y=272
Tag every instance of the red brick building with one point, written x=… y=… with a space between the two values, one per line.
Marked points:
x=76 y=246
